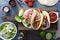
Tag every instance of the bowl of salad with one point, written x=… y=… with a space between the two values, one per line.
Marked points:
x=8 y=30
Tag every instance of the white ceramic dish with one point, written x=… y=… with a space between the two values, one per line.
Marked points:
x=48 y=2
x=13 y=36
x=57 y=17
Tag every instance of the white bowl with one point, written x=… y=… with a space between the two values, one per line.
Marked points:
x=48 y=2
x=57 y=16
x=13 y=36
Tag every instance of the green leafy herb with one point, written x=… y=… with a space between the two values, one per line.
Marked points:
x=43 y=23
x=53 y=34
x=7 y=32
x=1 y=27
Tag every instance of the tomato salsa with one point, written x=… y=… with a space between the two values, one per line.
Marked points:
x=53 y=17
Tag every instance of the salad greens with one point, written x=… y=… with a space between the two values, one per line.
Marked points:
x=44 y=22
x=7 y=30
x=44 y=13
x=26 y=23
x=1 y=27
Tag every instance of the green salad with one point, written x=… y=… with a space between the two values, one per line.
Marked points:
x=7 y=30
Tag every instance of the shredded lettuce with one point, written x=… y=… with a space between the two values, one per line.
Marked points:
x=1 y=27
x=7 y=31
x=44 y=22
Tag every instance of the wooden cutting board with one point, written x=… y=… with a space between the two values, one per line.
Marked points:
x=21 y=27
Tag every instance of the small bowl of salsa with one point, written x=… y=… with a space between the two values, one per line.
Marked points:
x=53 y=17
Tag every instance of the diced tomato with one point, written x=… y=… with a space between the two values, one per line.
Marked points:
x=36 y=17
x=26 y=1
x=32 y=1
x=41 y=27
x=38 y=23
x=44 y=17
x=29 y=14
x=53 y=17
x=26 y=17
x=39 y=10
x=30 y=4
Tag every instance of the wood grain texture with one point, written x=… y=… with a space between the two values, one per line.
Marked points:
x=53 y=27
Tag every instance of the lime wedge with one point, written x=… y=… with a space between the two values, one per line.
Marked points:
x=42 y=34
x=48 y=36
x=21 y=12
x=18 y=18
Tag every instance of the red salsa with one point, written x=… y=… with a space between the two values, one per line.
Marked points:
x=53 y=17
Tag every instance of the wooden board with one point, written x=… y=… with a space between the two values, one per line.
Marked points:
x=21 y=27
x=44 y=9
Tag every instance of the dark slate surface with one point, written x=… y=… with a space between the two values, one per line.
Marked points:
x=14 y=11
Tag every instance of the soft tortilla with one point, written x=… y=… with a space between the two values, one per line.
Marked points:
x=48 y=19
x=32 y=19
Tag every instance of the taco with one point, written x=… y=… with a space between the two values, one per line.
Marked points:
x=46 y=21
x=27 y=17
x=36 y=20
